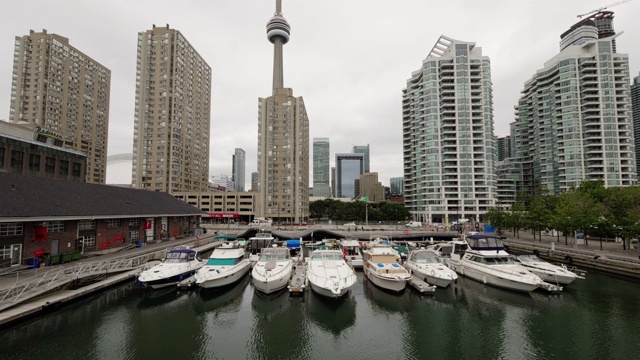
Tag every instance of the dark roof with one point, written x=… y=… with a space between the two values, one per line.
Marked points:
x=33 y=196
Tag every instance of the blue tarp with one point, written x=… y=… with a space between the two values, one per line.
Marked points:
x=293 y=244
x=489 y=228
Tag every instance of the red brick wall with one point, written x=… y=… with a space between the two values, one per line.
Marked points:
x=68 y=236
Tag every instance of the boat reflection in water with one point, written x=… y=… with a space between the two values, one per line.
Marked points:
x=331 y=315
x=280 y=327
x=226 y=298
x=150 y=298
x=388 y=301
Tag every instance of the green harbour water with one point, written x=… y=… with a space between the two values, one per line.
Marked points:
x=597 y=318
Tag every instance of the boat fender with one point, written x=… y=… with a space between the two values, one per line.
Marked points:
x=569 y=258
x=484 y=280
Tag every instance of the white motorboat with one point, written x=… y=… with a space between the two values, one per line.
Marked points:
x=226 y=265
x=487 y=262
x=382 y=268
x=428 y=266
x=273 y=270
x=329 y=274
x=450 y=250
x=258 y=242
x=177 y=265
x=549 y=272
x=351 y=252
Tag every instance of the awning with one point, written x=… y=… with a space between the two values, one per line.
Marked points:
x=221 y=215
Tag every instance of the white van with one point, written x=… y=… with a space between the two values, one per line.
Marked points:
x=260 y=222
x=414 y=224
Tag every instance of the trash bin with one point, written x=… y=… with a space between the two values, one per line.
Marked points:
x=138 y=243
x=36 y=263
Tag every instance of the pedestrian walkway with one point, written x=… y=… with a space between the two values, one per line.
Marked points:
x=610 y=249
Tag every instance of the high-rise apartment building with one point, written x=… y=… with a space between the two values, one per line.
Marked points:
x=321 y=175
x=349 y=167
x=283 y=140
x=396 y=185
x=635 y=104
x=62 y=90
x=363 y=149
x=574 y=118
x=238 y=169
x=449 y=146
x=172 y=120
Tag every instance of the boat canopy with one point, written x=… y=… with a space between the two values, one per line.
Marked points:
x=221 y=262
x=293 y=243
x=485 y=242
x=226 y=237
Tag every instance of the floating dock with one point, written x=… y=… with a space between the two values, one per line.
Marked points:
x=298 y=281
x=421 y=286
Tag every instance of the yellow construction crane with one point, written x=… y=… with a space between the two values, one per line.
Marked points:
x=602 y=8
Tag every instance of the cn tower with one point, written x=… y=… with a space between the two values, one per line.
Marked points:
x=283 y=141
x=278 y=31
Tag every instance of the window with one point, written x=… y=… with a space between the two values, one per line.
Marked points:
x=34 y=162
x=10 y=229
x=134 y=222
x=1 y=157
x=76 y=169
x=50 y=165
x=64 y=167
x=54 y=226
x=113 y=223
x=5 y=252
x=16 y=159
x=88 y=241
x=134 y=235
x=86 y=225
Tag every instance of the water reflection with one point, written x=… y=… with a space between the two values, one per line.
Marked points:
x=222 y=299
x=332 y=315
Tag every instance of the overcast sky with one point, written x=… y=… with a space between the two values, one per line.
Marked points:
x=349 y=59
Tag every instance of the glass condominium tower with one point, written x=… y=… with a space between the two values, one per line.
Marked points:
x=448 y=143
x=573 y=119
x=321 y=171
x=172 y=120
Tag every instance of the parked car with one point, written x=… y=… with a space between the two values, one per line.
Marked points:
x=413 y=224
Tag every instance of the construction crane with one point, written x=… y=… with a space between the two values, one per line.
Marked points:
x=602 y=8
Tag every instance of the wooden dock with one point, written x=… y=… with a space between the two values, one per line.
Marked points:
x=298 y=281
x=421 y=286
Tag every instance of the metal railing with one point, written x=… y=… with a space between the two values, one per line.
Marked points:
x=26 y=288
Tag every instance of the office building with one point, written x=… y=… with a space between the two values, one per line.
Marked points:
x=449 y=147
x=254 y=181
x=172 y=120
x=396 y=185
x=635 y=104
x=222 y=183
x=283 y=140
x=349 y=167
x=363 y=149
x=238 y=169
x=574 y=117
x=321 y=175
x=64 y=92
x=30 y=150
x=504 y=147
x=370 y=188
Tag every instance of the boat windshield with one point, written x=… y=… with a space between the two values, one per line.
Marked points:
x=221 y=262
x=498 y=261
x=326 y=256
x=176 y=257
x=267 y=256
x=425 y=257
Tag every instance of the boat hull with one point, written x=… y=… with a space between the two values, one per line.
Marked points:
x=431 y=276
x=271 y=284
x=554 y=278
x=166 y=282
x=392 y=284
x=491 y=279
x=228 y=279
x=328 y=292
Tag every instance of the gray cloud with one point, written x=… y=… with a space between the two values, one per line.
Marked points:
x=349 y=59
